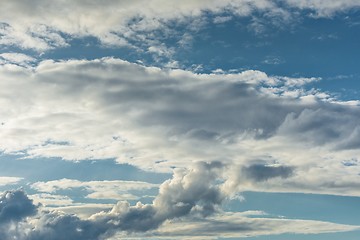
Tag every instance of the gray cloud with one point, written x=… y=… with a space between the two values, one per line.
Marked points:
x=328 y=124
x=260 y=172
x=15 y=205
x=56 y=226
x=86 y=103
x=189 y=192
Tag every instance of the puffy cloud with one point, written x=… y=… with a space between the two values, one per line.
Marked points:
x=181 y=196
x=190 y=191
x=57 y=226
x=187 y=206
x=14 y=206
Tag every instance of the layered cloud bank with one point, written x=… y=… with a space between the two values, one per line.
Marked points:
x=157 y=119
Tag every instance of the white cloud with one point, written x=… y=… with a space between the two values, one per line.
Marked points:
x=143 y=30
x=9 y=180
x=16 y=58
x=83 y=210
x=273 y=60
x=117 y=190
x=222 y=19
x=51 y=199
x=234 y=225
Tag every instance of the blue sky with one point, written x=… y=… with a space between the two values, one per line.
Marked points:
x=175 y=120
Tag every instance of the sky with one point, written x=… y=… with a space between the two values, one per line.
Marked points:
x=158 y=119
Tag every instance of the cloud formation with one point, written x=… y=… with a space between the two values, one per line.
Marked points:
x=191 y=191
x=192 y=194
x=220 y=133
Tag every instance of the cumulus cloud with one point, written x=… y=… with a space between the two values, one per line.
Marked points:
x=188 y=205
x=190 y=191
x=181 y=196
x=14 y=206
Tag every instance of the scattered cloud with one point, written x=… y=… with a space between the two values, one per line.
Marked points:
x=222 y=19
x=323 y=8
x=44 y=27
x=273 y=60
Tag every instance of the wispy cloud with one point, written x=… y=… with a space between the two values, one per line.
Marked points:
x=9 y=180
x=96 y=189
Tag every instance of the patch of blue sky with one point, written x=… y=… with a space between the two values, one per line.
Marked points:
x=326 y=48
x=89 y=48
x=338 y=209
x=47 y=169
x=352 y=235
